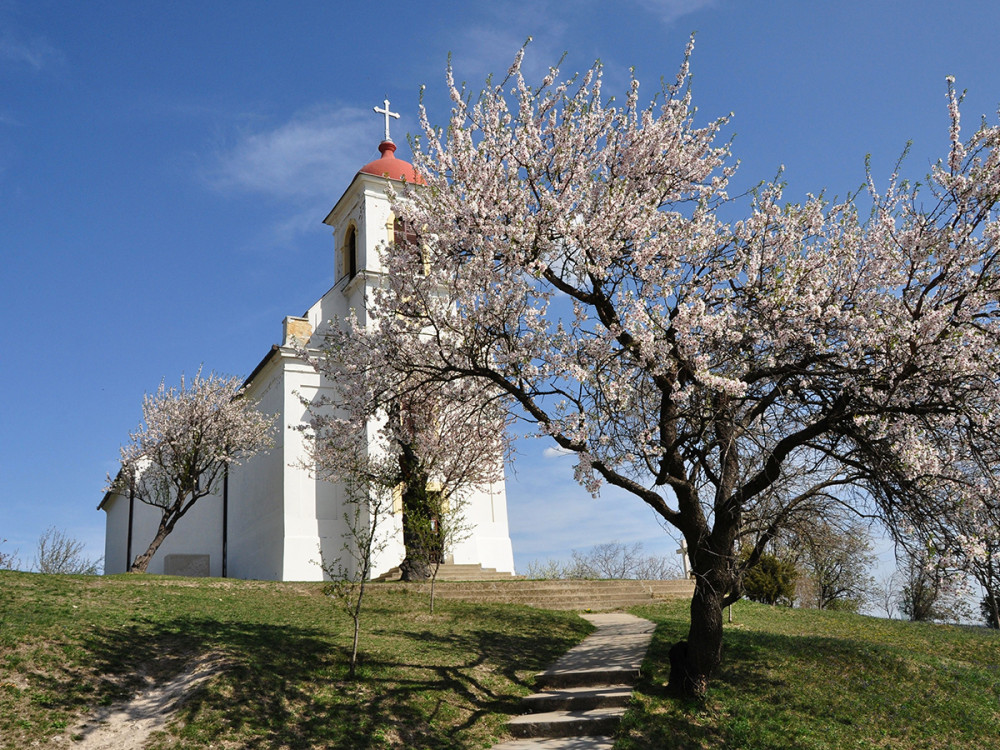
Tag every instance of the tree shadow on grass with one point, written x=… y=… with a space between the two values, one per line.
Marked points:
x=286 y=686
x=776 y=690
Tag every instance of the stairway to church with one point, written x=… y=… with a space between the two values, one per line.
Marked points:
x=573 y=595
x=456 y=572
x=582 y=697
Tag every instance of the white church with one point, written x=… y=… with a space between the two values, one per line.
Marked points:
x=272 y=519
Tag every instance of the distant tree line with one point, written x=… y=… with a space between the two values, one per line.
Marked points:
x=613 y=560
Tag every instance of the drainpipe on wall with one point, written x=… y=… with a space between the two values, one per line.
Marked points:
x=131 y=513
x=225 y=522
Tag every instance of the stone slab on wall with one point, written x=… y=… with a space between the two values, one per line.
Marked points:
x=192 y=566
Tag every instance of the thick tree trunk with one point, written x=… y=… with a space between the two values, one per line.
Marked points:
x=416 y=519
x=694 y=661
x=414 y=567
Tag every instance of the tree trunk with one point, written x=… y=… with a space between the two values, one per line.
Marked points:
x=414 y=567
x=141 y=562
x=416 y=518
x=694 y=661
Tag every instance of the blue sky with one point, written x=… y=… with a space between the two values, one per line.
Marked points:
x=165 y=168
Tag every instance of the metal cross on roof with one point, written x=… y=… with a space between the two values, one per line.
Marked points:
x=387 y=114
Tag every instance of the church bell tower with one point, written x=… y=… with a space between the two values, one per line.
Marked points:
x=363 y=220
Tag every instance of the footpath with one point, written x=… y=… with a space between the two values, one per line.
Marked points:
x=583 y=696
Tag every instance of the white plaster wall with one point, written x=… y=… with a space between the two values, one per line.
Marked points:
x=485 y=512
x=198 y=532
x=256 y=522
x=305 y=495
x=115 y=535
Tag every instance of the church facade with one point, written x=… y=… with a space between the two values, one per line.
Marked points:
x=273 y=519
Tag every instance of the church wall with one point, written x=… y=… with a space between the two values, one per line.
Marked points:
x=281 y=518
x=198 y=533
x=489 y=541
x=116 y=535
x=309 y=501
x=256 y=524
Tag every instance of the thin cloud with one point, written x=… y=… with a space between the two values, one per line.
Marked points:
x=490 y=46
x=310 y=155
x=555 y=452
x=34 y=52
x=669 y=11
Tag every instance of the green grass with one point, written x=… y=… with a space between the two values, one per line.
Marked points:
x=808 y=680
x=790 y=678
x=449 y=680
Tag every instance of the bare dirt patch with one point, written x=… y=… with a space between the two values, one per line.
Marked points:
x=128 y=725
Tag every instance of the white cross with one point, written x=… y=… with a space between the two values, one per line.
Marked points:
x=685 y=563
x=387 y=114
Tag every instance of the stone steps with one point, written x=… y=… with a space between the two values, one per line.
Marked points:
x=583 y=696
x=573 y=595
x=568 y=723
x=579 y=698
x=455 y=572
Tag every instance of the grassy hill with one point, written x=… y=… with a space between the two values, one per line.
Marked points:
x=791 y=679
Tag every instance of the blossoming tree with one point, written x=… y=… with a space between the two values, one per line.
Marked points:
x=430 y=442
x=189 y=437
x=573 y=257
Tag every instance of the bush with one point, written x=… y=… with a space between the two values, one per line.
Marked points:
x=990 y=607
x=770 y=581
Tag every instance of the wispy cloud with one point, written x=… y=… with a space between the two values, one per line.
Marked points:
x=34 y=52
x=555 y=452
x=311 y=154
x=489 y=46
x=669 y=11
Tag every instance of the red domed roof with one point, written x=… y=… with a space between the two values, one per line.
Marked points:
x=389 y=166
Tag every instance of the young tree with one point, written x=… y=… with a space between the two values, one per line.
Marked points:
x=8 y=560
x=574 y=259
x=887 y=594
x=58 y=552
x=190 y=437
x=366 y=517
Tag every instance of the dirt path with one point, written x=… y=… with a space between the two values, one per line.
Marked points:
x=127 y=726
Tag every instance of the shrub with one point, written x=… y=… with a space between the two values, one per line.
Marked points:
x=990 y=607
x=770 y=581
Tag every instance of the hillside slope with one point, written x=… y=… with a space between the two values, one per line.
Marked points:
x=790 y=679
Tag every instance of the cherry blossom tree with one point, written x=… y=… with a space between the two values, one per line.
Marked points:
x=574 y=258
x=974 y=548
x=190 y=437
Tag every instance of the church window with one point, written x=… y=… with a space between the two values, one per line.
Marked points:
x=351 y=253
